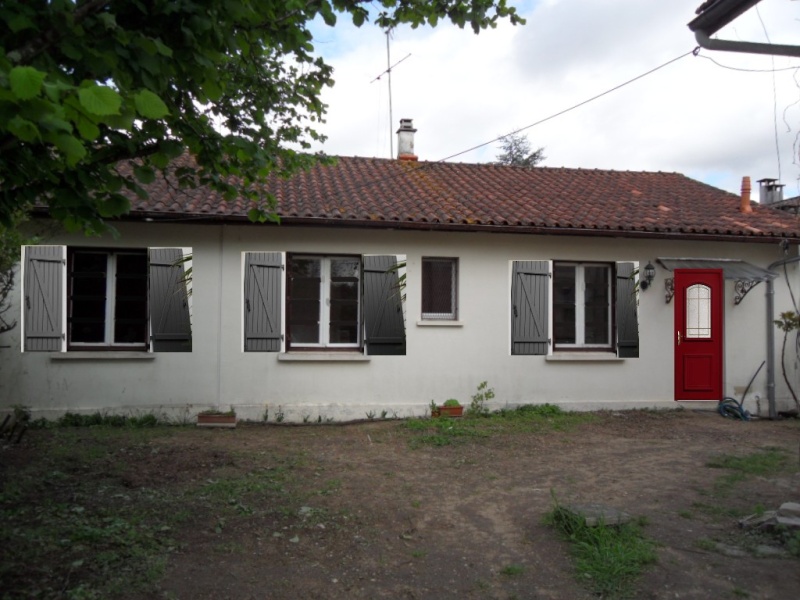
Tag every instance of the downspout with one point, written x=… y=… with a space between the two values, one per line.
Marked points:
x=773 y=413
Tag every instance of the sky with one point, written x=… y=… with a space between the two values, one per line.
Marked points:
x=715 y=117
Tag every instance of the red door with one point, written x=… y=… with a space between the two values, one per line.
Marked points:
x=698 y=334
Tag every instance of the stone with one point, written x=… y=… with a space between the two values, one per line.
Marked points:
x=788 y=522
x=789 y=509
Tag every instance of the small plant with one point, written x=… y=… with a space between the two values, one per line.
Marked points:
x=279 y=416
x=306 y=418
x=384 y=413
x=219 y=412
x=513 y=570
x=371 y=415
x=452 y=402
x=478 y=408
x=608 y=557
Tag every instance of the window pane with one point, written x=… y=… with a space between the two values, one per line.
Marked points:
x=698 y=311
x=564 y=304
x=344 y=292
x=596 y=305
x=130 y=314
x=87 y=316
x=438 y=288
x=304 y=303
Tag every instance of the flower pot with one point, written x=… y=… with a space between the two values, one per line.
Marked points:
x=448 y=411
x=218 y=420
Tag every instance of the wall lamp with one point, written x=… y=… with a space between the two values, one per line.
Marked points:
x=648 y=274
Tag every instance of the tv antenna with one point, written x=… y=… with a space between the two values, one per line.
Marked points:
x=388 y=72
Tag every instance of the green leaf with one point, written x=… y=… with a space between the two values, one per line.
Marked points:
x=71 y=147
x=163 y=49
x=114 y=205
x=100 y=100
x=149 y=105
x=88 y=130
x=26 y=82
x=144 y=174
x=23 y=129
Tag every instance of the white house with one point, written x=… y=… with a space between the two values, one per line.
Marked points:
x=389 y=283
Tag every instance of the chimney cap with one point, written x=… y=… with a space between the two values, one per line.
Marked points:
x=407 y=125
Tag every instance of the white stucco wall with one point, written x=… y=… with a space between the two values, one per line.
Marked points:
x=441 y=362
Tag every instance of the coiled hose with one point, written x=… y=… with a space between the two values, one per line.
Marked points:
x=733 y=409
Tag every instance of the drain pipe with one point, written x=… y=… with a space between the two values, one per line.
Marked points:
x=773 y=413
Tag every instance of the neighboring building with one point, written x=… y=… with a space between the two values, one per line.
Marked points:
x=390 y=283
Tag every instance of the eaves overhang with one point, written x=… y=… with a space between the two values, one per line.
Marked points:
x=685 y=234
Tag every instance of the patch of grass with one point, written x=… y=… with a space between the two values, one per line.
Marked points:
x=740 y=593
x=523 y=419
x=512 y=570
x=765 y=462
x=419 y=553
x=706 y=544
x=685 y=514
x=607 y=558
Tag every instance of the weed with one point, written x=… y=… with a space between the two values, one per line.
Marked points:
x=478 y=408
x=419 y=553
x=685 y=514
x=706 y=544
x=279 y=416
x=512 y=570
x=371 y=415
x=306 y=418
x=740 y=593
x=384 y=413
x=767 y=461
x=608 y=558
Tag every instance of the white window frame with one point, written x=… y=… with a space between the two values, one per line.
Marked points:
x=325 y=302
x=452 y=314
x=580 y=307
x=111 y=299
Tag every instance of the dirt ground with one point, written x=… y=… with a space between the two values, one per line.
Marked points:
x=356 y=512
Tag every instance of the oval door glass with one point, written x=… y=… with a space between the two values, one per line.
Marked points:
x=698 y=311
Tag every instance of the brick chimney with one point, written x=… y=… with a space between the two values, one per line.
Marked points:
x=745 y=204
x=405 y=140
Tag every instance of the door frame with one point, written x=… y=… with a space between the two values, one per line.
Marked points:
x=713 y=349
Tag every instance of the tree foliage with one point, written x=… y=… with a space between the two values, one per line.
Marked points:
x=516 y=151
x=11 y=238
x=85 y=84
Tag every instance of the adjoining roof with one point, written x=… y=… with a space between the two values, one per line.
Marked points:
x=713 y=15
x=385 y=193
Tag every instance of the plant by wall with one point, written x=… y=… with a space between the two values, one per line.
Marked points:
x=788 y=322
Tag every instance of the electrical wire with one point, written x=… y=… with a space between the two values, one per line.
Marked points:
x=774 y=96
x=719 y=64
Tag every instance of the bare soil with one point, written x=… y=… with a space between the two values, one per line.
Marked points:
x=354 y=511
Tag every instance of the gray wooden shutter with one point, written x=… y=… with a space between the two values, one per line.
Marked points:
x=262 y=301
x=384 y=324
x=627 y=318
x=170 y=325
x=530 y=288
x=44 y=293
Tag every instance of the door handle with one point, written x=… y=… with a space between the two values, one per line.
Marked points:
x=679 y=338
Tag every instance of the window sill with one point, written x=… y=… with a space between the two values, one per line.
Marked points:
x=322 y=357
x=584 y=357
x=439 y=323
x=103 y=355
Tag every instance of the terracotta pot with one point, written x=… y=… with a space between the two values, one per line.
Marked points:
x=216 y=420
x=449 y=411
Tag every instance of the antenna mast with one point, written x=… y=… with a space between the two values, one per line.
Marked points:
x=388 y=71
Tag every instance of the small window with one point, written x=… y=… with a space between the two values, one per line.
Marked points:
x=698 y=311
x=439 y=285
x=582 y=305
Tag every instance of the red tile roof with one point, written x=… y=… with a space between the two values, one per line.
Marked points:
x=371 y=192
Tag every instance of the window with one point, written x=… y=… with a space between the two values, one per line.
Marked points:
x=323 y=301
x=582 y=305
x=332 y=303
x=439 y=285
x=105 y=299
x=594 y=307
x=698 y=311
